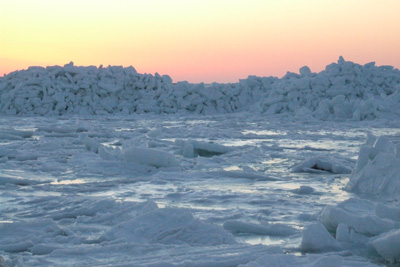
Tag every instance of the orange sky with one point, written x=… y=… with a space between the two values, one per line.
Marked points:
x=199 y=40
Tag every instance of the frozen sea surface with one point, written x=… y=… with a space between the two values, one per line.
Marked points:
x=173 y=190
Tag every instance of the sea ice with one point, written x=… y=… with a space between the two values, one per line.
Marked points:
x=388 y=245
x=193 y=148
x=308 y=260
x=316 y=238
x=344 y=90
x=304 y=190
x=169 y=226
x=206 y=177
x=377 y=171
x=236 y=227
x=22 y=236
x=325 y=164
x=149 y=156
x=362 y=222
x=357 y=214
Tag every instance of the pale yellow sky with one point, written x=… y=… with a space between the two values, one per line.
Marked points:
x=207 y=40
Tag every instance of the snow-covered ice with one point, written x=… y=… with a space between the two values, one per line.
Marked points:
x=378 y=169
x=108 y=167
x=388 y=245
x=316 y=238
x=344 y=90
x=152 y=157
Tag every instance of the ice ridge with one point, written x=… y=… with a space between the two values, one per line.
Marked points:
x=343 y=91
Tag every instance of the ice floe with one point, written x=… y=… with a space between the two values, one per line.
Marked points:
x=304 y=190
x=316 y=238
x=240 y=227
x=168 y=226
x=192 y=148
x=149 y=156
x=360 y=223
x=325 y=164
x=377 y=171
x=388 y=245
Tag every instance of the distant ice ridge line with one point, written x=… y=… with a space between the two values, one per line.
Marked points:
x=344 y=90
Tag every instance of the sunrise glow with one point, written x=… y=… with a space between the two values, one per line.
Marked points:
x=199 y=41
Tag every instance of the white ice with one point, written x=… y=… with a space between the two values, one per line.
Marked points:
x=378 y=169
x=109 y=167
x=344 y=90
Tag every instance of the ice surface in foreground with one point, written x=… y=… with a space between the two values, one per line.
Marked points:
x=93 y=191
x=359 y=225
x=362 y=224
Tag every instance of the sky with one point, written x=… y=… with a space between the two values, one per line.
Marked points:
x=199 y=40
